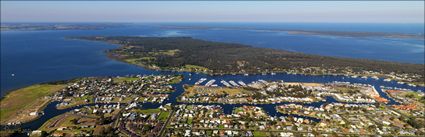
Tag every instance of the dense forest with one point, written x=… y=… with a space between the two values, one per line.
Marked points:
x=219 y=58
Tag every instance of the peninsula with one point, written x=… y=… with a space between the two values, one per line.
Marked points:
x=217 y=58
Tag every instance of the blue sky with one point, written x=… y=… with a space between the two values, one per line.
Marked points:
x=216 y=11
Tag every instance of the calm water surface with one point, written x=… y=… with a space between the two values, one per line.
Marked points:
x=44 y=56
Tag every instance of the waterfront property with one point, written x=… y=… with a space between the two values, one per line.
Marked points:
x=170 y=105
x=24 y=105
x=271 y=92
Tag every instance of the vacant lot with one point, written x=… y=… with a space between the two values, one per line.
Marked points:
x=194 y=90
x=17 y=105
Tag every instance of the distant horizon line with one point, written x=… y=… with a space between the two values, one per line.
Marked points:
x=209 y=22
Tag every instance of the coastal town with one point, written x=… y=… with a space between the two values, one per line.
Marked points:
x=152 y=105
x=153 y=89
x=264 y=92
x=201 y=68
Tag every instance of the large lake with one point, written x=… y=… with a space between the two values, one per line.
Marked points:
x=43 y=56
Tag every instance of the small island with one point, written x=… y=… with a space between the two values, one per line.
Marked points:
x=217 y=58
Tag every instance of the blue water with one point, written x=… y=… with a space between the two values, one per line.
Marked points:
x=409 y=28
x=44 y=56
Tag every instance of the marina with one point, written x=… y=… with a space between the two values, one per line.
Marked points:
x=51 y=111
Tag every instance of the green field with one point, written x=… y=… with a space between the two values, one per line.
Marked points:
x=25 y=98
x=176 y=80
x=194 y=68
x=414 y=95
x=147 y=111
x=190 y=91
x=260 y=134
x=164 y=116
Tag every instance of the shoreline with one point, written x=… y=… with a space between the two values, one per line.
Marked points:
x=221 y=104
x=259 y=73
x=367 y=70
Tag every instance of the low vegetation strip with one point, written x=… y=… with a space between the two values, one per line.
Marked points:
x=17 y=105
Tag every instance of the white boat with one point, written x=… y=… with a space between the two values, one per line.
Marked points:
x=225 y=83
x=400 y=82
x=209 y=83
x=200 y=81
x=241 y=83
x=263 y=81
x=387 y=79
x=233 y=83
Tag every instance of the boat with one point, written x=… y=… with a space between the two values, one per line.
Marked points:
x=241 y=83
x=387 y=79
x=209 y=83
x=200 y=81
x=233 y=83
x=375 y=77
x=225 y=83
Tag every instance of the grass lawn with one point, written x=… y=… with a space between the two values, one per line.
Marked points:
x=122 y=79
x=147 y=111
x=194 y=68
x=237 y=110
x=147 y=58
x=192 y=90
x=418 y=83
x=164 y=115
x=28 y=98
x=347 y=89
x=64 y=120
x=165 y=52
x=260 y=134
x=189 y=121
x=413 y=95
x=78 y=101
x=134 y=61
x=176 y=80
x=233 y=91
